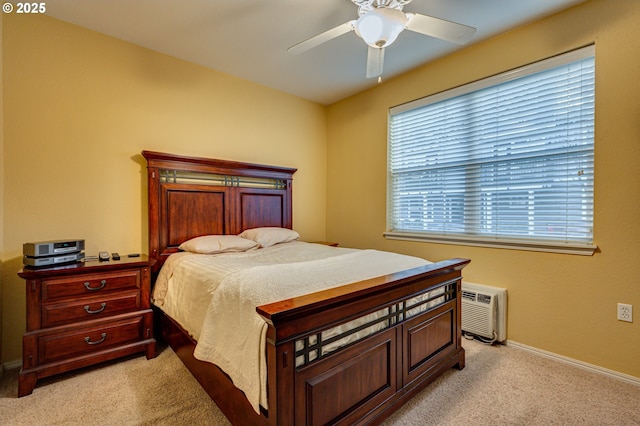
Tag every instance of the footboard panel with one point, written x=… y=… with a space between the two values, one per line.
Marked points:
x=344 y=387
x=428 y=339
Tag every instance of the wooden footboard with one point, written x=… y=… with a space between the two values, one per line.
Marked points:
x=417 y=337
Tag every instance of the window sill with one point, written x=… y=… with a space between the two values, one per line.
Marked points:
x=528 y=245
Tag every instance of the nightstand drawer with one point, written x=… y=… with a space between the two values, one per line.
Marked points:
x=84 y=285
x=80 y=341
x=89 y=308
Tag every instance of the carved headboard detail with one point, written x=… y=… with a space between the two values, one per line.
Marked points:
x=191 y=196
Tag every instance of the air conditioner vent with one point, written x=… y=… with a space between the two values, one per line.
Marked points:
x=484 y=311
x=469 y=295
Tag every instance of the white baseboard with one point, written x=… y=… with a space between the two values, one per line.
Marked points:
x=10 y=365
x=574 y=362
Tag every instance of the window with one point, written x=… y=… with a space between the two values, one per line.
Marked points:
x=506 y=161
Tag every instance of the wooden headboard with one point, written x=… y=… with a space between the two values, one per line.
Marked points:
x=191 y=196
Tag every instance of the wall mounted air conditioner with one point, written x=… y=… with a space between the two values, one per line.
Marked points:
x=484 y=311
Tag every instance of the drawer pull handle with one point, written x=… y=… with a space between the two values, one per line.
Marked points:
x=87 y=285
x=97 y=311
x=102 y=337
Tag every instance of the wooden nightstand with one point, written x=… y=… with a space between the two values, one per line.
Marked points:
x=85 y=313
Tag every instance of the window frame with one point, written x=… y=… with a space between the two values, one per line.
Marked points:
x=568 y=247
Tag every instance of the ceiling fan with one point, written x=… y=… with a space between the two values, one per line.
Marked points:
x=379 y=24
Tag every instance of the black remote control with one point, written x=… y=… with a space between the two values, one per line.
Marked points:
x=115 y=256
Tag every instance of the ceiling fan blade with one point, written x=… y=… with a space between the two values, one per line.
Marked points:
x=375 y=60
x=321 y=38
x=440 y=28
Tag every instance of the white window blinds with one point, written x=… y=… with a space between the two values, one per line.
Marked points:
x=507 y=158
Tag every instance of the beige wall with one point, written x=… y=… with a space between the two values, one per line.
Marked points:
x=79 y=108
x=564 y=304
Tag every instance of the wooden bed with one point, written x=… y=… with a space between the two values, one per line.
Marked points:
x=362 y=383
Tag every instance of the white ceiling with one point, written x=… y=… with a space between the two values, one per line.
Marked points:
x=249 y=38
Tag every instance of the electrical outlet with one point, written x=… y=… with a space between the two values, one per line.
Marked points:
x=625 y=312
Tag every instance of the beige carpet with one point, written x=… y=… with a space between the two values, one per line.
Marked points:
x=499 y=386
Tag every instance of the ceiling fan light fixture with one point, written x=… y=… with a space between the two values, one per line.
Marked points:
x=380 y=27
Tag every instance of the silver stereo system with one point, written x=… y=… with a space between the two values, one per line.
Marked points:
x=53 y=260
x=48 y=253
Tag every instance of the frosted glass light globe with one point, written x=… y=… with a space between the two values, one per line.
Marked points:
x=380 y=27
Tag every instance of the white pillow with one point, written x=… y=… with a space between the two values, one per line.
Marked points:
x=211 y=244
x=269 y=236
